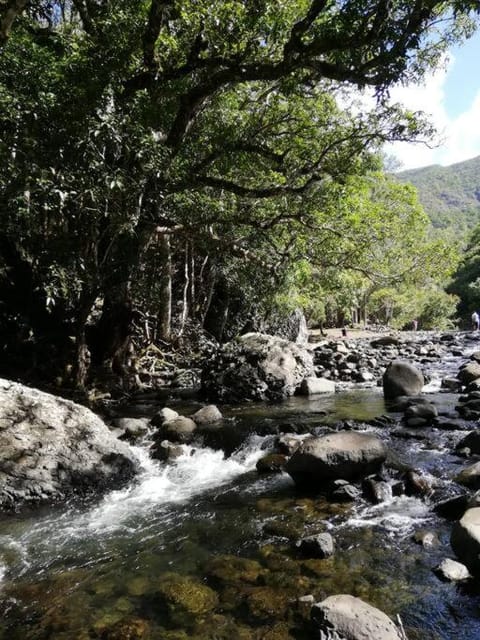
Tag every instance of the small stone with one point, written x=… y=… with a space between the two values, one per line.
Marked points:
x=452 y=571
x=207 y=415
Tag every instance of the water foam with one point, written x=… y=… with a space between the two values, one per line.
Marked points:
x=193 y=473
x=398 y=516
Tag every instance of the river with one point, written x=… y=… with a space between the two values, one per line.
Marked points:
x=202 y=548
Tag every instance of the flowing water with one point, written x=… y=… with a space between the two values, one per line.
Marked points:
x=202 y=548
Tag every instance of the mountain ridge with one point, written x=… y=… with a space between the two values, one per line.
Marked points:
x=449 y=194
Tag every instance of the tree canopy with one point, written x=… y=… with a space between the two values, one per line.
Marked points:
x=170 y=152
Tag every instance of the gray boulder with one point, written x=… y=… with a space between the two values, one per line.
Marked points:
x=465 y=539
x=207 y=415
x=320 y=546
x=180 y=429
x=314 y=386
x=469 y=372
x=345 y=455
x=257 y=366
x=344 y=617
x=402 y=379
x=51 y=448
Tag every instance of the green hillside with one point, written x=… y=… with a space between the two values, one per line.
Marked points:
x=450 y=195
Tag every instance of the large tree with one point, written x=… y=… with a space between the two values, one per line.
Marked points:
x=204 y=128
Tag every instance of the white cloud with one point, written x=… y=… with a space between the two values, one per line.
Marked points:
x=460 y=136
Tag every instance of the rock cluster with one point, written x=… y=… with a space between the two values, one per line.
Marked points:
x=171 y=430
x=257 y=366
x=365 y=361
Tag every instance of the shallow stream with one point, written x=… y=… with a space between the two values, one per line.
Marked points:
x=202 y=548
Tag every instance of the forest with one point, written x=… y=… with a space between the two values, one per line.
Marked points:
x=176 y=168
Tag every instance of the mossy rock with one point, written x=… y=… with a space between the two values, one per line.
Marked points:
x=174 y=635
x=183 y=599
x=221 y=627
x=127 y=629
x=319 y=568
x=283 y=529
x=265 y=603
x=275 y=561
x=234 y=570
x=277 y=632
x=139 y=586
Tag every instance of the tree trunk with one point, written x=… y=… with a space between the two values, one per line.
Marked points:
x=217 y=314
x=164 y=319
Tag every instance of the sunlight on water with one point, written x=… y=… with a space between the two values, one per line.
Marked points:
x=193 y=473
x=399 y=516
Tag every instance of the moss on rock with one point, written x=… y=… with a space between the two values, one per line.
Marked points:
x=183 y=599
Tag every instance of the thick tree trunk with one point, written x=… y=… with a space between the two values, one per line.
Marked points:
x=217 y=314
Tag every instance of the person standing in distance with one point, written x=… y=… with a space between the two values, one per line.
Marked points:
x=475 y=321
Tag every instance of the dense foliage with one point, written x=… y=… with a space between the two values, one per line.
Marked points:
x=196 y=160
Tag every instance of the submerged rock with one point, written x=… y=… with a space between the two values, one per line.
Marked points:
x=183 y=599
x=345 y=617
x=51 y=447
x=129 y=629
x=402 y=379
x=257 y=366
x=344 y=455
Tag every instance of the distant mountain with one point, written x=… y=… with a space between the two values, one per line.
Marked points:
x=450 y=195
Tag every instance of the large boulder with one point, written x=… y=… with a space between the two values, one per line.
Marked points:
x=465 y=539
x=257 y=366
x=51 y=448
x=344 y=617
x=402 y=379
x=347 y=455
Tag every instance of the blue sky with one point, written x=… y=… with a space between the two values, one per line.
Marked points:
x=451 y=97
